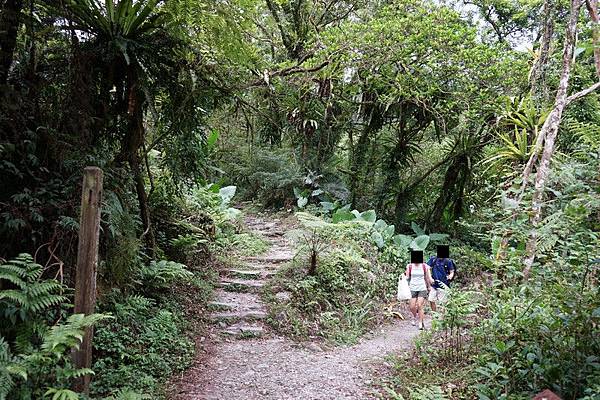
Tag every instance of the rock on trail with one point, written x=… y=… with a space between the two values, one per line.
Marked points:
x=245 y=360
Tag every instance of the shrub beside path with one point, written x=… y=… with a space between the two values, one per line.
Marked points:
x=243 y=359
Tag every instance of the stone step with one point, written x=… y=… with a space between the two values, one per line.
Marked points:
x=249 y=315
x=254 y=274
x=273 y=233
x=245 y=274
x=241 y=285
x=243 y=331
x=276 y=259
x=221 y=306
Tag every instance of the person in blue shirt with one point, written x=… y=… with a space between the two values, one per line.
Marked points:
x=442 y=273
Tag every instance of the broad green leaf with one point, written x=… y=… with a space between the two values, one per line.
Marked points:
x=417 y=229
x=389 y=231
x=436 y=237
x=212 y=138
x=402 y=240
x=227 y=193
x=342 y=215
x=420 y=242
x=327 y=206
x=380 y=225
x=368 y=216
x=302 y=201
x=377 y=239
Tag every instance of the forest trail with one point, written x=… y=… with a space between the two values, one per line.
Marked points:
x=243 y=359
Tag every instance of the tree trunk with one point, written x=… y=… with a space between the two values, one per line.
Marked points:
x=538 y=72
x=134 y=143
x=592 y=6
x=373 y=123
x=10 y=19
x=548 y=132
x=444 y=199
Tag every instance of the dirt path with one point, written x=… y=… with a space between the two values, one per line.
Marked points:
x=265 y=366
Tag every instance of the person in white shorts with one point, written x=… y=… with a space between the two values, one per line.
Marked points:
x=442 y=272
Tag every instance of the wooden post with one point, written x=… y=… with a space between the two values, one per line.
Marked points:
x=87 y=262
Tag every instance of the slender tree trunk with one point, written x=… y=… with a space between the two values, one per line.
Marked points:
x=10 y=19
x=548 y=132
x=373 y=123
x=538 y=72
x=592 y=6
x=134 y=143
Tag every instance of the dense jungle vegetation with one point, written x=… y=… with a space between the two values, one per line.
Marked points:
x=381 y=125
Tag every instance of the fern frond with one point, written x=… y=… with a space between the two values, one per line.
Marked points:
x=10 y=368
x=16 y=296
x=44 y=301
x=44 y=287
x=69 y=335
x=62 y=394
x=13 y=278
x=163 y=273
x=78 y=373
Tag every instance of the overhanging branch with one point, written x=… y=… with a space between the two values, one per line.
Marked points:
x=582 y=93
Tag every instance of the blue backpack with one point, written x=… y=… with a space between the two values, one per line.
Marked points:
x=434 y=262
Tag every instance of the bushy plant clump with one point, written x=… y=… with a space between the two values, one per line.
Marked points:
x=347 y=266
x=140 y=348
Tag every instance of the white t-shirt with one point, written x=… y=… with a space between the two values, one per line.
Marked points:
x=417 y=277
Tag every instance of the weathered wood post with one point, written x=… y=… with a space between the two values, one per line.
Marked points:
x=87 y=262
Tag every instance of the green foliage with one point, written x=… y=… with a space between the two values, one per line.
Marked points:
x=512 y=339
x=123 y=257
x=139 y=348
x=338 y=302
x=34 y=349
x=241 y=244
x=62 y=394
x=269 y=176
x=549 y=340
x=32 y=293
x=162 y=274
x=215 y=200
x=340 y=298
x=517 y=129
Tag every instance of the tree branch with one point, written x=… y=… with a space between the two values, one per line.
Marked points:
x=582 y=93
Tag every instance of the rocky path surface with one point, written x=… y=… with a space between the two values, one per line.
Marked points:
x=244 y=360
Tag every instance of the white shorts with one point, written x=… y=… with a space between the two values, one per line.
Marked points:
x=437 y=295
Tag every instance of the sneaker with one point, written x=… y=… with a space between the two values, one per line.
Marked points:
x=413 y=322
